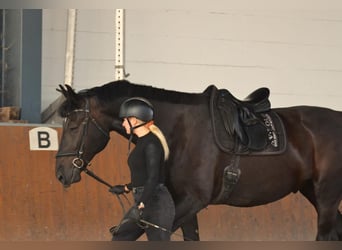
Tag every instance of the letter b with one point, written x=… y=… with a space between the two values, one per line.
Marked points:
x=43 y=139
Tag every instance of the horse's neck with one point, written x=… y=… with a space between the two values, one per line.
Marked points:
x=168 y=103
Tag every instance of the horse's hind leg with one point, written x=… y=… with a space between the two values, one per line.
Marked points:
x=326 y=201
x=329 y=219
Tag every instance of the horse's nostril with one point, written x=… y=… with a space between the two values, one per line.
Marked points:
x=60 y=177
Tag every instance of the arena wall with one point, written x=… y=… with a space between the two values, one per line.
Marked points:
x=35 y=206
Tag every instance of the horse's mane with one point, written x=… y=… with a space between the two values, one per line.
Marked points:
x=112 y=90
x=116 y=89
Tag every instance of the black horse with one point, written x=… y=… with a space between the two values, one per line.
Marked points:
x=205 y=169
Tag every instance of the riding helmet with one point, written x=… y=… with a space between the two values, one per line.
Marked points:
x=137 y=107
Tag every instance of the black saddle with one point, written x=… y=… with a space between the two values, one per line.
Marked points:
x=246 y=126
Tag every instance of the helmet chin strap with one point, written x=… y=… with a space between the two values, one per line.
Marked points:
x=131 y=128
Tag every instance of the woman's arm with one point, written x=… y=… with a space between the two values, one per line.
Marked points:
x=153 y=159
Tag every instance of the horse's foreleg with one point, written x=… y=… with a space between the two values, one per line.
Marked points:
x=190 y=229
x=339 y=225
x=186 y=218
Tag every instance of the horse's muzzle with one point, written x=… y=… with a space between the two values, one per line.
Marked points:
x=66 y=179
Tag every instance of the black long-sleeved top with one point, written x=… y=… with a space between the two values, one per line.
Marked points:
x=146 y=162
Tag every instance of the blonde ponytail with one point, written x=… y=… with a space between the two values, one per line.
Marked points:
x=155 y=130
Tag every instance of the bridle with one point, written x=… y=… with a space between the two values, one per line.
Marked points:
x=79 y=162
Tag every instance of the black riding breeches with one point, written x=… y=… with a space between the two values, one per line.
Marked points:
x=160 y=210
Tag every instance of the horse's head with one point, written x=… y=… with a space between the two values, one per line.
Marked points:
x=85 y=134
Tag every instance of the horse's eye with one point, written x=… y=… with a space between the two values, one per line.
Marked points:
x=73 y=125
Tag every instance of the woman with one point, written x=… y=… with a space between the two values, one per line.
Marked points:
x=153 y=202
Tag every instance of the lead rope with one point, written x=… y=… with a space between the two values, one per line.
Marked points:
x=93 y=175
x=147 y=223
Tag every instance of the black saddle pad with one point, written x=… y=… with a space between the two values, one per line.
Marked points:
x=238 y=129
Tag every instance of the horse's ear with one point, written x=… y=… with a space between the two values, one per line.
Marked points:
x=68 y=92
x=62 y=90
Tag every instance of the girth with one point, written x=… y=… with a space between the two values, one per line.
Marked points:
x=246 y=126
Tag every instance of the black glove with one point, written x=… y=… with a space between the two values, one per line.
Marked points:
x=134 y=214
x=118 y=189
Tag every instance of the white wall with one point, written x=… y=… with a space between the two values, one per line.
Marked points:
x=53 y=54
x=294 y=52
x=94 y=50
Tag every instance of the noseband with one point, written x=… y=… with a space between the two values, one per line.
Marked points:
x=79 y=162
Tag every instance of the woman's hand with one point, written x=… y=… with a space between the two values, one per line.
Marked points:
x=141 y=206
x=119 y=189
x=134 y=213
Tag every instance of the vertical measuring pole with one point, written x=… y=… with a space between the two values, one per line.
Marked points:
x=119 y=44
x=70 y=47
